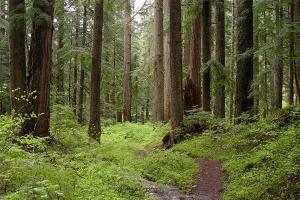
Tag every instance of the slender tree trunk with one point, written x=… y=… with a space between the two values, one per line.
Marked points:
x=233 y=60
x=265 y=82
x=17 y=60
x=297 y=48
x=219 y=106
x=114 y=85
x=291 y=59
x=195 y=57
x=60 y=62
x=75 y=74
x=167 y=76
x=94 y=125
x=176 y=106
x=243 y=101
x=127 y=63
x=159 y=63
x=82 y=72
x=206 y=49
x=40 y=64
x=278 y=65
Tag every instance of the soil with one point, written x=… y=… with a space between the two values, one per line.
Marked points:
x=208 y=184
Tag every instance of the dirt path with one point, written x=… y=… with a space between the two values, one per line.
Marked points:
x=208 y=184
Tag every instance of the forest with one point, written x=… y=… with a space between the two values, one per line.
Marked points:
x=150 y=99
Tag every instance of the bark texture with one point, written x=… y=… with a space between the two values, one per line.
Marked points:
x=291 y=59
x=278 y=64
x=40 y=64
x=244 y=77
x=17 y=58
x=176 y=106
x=159 y=63
x=167 y=76
x=195 y=58
x=60 y=46
x=206 y=49
x=94 y=125
x=219 y=103
x=127 y=63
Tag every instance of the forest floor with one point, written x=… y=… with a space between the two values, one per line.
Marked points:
x=254 y=161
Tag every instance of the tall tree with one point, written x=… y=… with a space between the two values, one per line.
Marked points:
x=94 y=125
x=159 y=62
x=82 y=71
x=176 y=106
x=127 y=62
x=297 y=47
x=244 y=45
x=40 y=64
x=291 y=58
x=277 y=69
x=60 y=45
x=195 y=56
x=17 y=59
x=167 y=76
x=206 y=49
x=219 y=106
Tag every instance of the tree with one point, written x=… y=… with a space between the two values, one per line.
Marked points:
x=244 y=45
x=206 y=54
x=82 y=71
x=176 y=104
x=60 y=43
x=94 y=125
x=127 y=62
x=195 y=57
x=167 y=76
x=40 y=64
x=17 y=61
x=159 y=65
x=219 y=106
x=291 y=58
x=277 y=70
x=297 y=47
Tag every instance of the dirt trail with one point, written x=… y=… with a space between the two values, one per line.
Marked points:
x=208 y=184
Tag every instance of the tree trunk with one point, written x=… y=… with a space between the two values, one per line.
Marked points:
x=167 y=76
x=40 y=64
x=278 y=65
x=127 y=62
x=159 y=63
x=176 y=105
x=206 y=15
x=297 y=49
x=82 y=72
x=60 y=44
x=17 y=60
x=94 y=125
x=291 y=59
x=244 y=77
x=195 y=58
x=75 y=74
x=233 y=60
x=219 y=106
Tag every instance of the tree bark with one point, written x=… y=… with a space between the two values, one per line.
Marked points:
x=278 y=65
x=219 y=106
x=176 y=106
x=82 y=72
x=127 y=63
x=206 y=49
x=291 y=59
x=297 y=47
x=167 y=76
x=233 y=60
x=159 y=63
x=17 y=58
x=75 y=74
x=40 y=64
x=94 y=125
x=60 y=46
x=195 y=57
x=244 y=77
